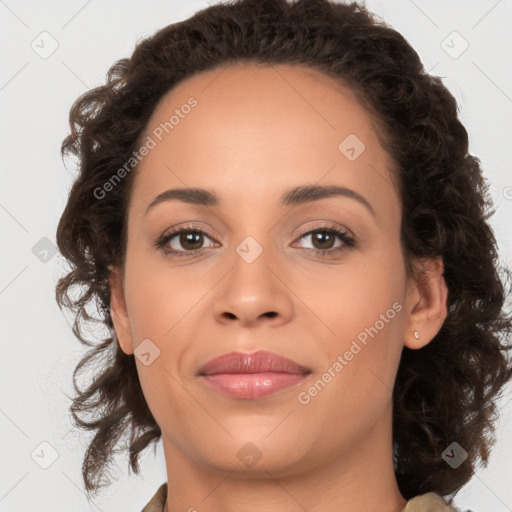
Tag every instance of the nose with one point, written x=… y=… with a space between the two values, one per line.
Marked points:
x=254 y=293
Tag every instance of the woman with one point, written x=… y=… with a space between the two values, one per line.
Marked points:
x=284 y=232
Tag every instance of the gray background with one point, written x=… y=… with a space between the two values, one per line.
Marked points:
x=39 y=351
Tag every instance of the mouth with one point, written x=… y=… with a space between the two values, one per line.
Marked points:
x=252 y=376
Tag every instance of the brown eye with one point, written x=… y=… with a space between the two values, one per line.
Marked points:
x=190 y=240
x=323 y=240
x=183 y=241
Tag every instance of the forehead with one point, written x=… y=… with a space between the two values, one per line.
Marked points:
x=258 y=128
x=260 y=100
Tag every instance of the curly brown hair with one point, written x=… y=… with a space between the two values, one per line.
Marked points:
x=444 y=392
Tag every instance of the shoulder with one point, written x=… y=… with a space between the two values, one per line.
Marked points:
x=429 y=502
x=157 y=502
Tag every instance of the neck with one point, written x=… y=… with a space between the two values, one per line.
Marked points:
x=361 y=478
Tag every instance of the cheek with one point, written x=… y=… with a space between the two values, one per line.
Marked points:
x=363 y=306
x=159 y=299
x=349 y=298
x=160 y=306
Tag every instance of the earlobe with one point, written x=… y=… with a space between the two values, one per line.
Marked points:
x=428 y=307
x=119 y=312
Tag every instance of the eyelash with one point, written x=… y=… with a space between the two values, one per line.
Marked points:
x=348 y=241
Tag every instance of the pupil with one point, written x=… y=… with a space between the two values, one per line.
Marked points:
x=187 y=240
x=322 y=237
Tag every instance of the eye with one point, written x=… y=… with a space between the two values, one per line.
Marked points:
x=189 y=240
x=182 y=241
x=323 y=239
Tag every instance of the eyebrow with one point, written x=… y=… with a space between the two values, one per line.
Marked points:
x=293 y=197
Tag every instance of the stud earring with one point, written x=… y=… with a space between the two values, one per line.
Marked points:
x=416 y=335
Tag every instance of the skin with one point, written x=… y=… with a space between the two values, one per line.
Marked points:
x=256 y=132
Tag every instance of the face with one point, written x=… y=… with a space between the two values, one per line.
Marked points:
x=315 y=277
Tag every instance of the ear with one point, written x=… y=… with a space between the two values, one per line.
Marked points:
x=426 y=302
x=119 y=312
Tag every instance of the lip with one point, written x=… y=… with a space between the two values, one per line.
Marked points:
x=252 y=376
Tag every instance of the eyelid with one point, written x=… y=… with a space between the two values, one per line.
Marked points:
x=344 y=234
x=176 y=231
x=328 y=225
